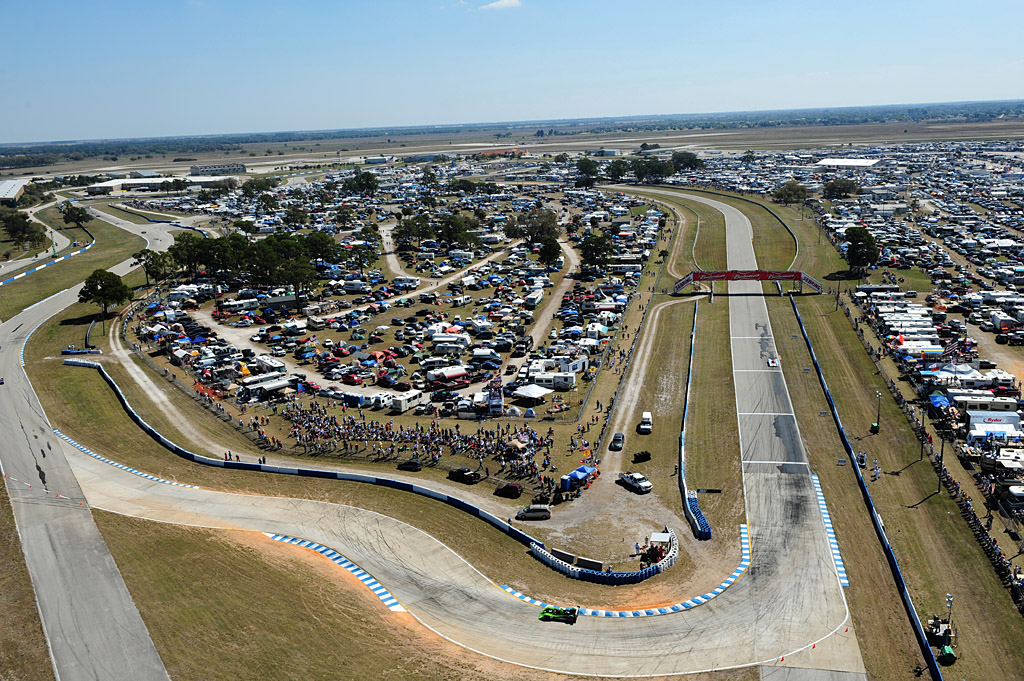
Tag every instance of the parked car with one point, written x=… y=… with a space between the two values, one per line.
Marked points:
x=464 y=475
x=509 y=490
x=535 y=512
x=412 y=465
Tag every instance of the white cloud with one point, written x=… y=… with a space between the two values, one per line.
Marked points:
x=502 y=4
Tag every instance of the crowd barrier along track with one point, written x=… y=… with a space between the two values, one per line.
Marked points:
x=890 y=556
x=691 y=507
x=51 y=262
x=505 y=527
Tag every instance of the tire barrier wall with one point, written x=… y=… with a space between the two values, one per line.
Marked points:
x=500 y=524
x=81 y=352
x=609 y=578
x=691 y=508
x=664 y=610
x=890 y=556
x=52 y=262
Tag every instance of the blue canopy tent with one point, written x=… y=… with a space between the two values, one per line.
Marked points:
x=579 y=475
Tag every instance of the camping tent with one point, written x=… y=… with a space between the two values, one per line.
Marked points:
x=532 y=392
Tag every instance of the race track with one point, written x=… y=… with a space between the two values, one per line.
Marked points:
x=788 y=601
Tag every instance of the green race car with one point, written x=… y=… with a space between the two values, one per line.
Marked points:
x=552 y=613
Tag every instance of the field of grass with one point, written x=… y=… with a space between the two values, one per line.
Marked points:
x=112 y=246
x=709 y=251
x=23 y=652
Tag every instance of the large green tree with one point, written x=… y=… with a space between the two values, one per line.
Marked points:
x=617 y=169
x=267 y=203
x=189 y=252
x=21 y=230
x=321 y=246
x=587 y=167
x=295 y=216
x=862 y=251
x=361 y=183
x=154 y=263
x=534 y=226
x=458 y=229
x=75 y=215
x=104 y=289
x=686 y=160
x=549 y=251
x=791 y=192
x=596 y=249
x=839 y=189
x=651 y=169
x=415 y=228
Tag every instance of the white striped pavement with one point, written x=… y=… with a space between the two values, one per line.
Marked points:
x=833 y=544
x=119 y=465
x=366 y=578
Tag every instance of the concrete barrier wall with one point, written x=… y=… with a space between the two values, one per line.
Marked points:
x=460 y=504
x=890 y=556
x=699 y=525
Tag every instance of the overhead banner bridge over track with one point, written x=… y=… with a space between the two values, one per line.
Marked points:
x=748 y=275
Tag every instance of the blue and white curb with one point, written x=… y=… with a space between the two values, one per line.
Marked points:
x=372 y=584
x=62 y=258
x=668 y=609
x=94 y=455
x=833 y=544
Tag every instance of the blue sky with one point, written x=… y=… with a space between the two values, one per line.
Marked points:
x=106 y=68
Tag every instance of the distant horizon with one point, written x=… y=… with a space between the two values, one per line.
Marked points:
x=522 y=122
x=124 y=69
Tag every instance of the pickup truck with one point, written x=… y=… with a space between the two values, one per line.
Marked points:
x=636 y=482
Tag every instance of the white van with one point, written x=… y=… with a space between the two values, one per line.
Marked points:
x=646 y=423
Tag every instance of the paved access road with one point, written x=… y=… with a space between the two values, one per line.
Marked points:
x=91 y=623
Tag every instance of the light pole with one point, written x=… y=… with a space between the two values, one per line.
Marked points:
x=878 y=412
x=949 y=613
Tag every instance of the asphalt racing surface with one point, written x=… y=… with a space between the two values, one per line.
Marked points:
x=788 y=601
x=92 y=626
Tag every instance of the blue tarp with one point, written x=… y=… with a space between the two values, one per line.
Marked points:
x=939 y=401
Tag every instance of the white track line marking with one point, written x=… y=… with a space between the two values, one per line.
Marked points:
x=788 y=463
